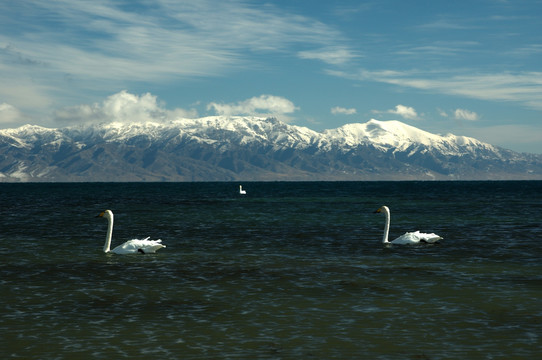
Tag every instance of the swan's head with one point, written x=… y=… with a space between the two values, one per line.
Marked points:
x=108 y=214
x=383 y=209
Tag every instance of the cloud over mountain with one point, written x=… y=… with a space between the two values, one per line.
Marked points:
x=261 y=105
x=121 y=107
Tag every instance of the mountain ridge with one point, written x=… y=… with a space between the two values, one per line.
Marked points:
x=220 y=148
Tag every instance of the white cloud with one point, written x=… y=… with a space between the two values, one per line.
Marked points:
x=261 y=105
x=340 y=110
x=122 y=107
x=10 y=115
x=462 y=114
x=87 y=47
x=406 y=112
x=332 y=55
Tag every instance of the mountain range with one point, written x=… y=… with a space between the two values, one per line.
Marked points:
x=221 y=148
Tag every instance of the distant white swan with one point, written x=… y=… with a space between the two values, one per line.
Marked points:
x=135 y=246
x=241 y=191
x=407 y=238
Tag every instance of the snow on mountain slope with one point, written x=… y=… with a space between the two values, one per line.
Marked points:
x=222 y=148
x=383 y=135
x=243 y=130
x=396 y=135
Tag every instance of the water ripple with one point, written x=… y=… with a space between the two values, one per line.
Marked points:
x=295 y=272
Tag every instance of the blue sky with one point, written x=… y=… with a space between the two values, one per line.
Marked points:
x=470 y=68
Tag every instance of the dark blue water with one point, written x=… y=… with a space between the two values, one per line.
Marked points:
x=291 y=270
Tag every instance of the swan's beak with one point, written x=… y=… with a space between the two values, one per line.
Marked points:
x=101 y=214
x=377 y=211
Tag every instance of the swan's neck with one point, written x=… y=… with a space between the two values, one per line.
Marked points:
x=107 y=245
x=386 y=227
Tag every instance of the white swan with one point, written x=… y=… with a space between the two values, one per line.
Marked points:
x=407 y=238
x=241 y=191
x=135 y=246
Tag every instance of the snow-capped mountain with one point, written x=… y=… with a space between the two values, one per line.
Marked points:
x=231 y=148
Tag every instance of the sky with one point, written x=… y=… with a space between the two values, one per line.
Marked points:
x=471 y=68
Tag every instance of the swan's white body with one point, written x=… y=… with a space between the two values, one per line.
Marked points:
x=408 y=238
x=241 y=191
x=131 y=246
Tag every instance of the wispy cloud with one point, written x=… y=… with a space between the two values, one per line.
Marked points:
x=351 y=10
x=446 y=24
x=525 y=138
x=439 y=48
x=526 y=50
x=183 y=38
x=522 y=87
x=101 y=44
x=442 y=113
x=344 y=111
x=330 y=55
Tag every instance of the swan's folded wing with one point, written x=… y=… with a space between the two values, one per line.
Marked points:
x=407 y=238
x=133 y=246
x=429 y=238
x=150 y=246
x=416 y=237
